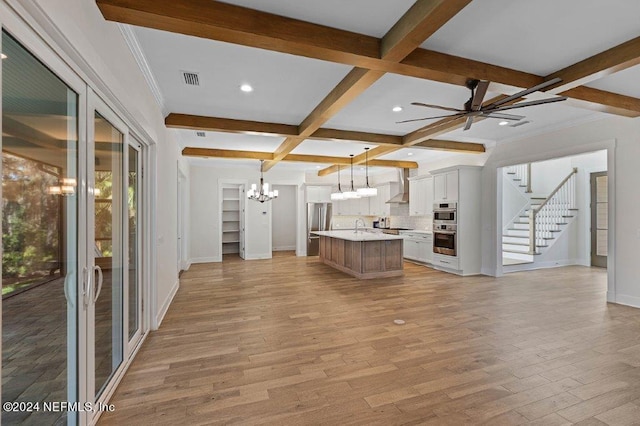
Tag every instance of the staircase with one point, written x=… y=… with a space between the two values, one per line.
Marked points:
x=543 y=219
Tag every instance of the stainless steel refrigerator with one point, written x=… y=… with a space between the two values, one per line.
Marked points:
x=318 y=219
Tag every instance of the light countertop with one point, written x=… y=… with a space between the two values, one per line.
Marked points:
x=416 y=231
x=351 y=235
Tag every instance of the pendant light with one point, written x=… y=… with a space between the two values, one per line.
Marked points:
x=338 y=195
x=352 y=193
x=263 y=194
x=367 y=191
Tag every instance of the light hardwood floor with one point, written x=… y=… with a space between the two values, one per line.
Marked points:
x=290 y=341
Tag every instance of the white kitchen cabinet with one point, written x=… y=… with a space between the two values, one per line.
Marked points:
x=461 y=184
x=418 y=246
x=421 y=196
x=378 y=205
x=318 y=194
x=445 y=187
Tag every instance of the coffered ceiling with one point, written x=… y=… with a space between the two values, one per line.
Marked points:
x=309 y=100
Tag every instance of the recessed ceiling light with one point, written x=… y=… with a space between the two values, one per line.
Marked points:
x=3 y=56
x=410 y=154
x=503 y=123
x=317 y=167
x=246 y=88
x=396 y=108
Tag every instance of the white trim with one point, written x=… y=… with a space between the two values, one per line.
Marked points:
x=259 y=256
x=167 y=303
x=611 y=297
x=213 y=259
x=507 y=269
x=623 y=299
x=284 y=248
x=134 y=45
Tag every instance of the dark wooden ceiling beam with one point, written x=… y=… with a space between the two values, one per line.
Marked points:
x=298 y=158
x=228 y=125
x=610 y=61
x=416 y=25
x=239 y=25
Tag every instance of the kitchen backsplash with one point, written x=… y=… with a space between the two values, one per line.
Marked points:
x=397 y=221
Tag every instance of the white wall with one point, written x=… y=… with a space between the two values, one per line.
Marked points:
x=621 y=137
x=204 y=235
x=96 y=50
x=284 y=215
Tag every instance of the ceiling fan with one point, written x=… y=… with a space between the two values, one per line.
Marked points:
x=473 y=108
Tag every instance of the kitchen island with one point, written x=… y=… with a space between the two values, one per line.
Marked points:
x=361 y=254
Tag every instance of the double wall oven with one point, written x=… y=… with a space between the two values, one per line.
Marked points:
x=445 y=224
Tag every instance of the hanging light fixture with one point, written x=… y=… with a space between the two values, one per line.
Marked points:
x=263 y=194
x=338 y=195
x=367 y=191
x=352 y=193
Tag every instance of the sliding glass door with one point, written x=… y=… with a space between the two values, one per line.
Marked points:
x=40 y=237
x=72 y=241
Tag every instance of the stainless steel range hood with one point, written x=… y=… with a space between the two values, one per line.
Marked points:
x=403 y=196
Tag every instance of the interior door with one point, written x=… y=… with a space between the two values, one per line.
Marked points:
x=599 y=219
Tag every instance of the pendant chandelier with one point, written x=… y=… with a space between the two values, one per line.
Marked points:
x=352 y=193
x=367 y=191
x=338 y=195
x=263 y=194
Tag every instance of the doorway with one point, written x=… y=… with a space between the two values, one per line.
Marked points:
x=599 y=219
x=284 y=220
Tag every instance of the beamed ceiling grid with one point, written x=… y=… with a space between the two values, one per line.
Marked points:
x=396 y=52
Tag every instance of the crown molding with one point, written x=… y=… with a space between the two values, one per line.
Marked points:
x=134 y=46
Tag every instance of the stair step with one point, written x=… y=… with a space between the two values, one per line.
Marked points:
x=511 y=173
x=519 y=252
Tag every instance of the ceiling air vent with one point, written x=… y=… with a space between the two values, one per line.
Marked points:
x=520 y=123
x=200 y=134
x=190 y=78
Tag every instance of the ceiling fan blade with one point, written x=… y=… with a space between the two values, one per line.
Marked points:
x=528 y=104
x=478 y=96
x=468 y=124
x=440 y=123
x=526 y=92
x=430 y=118
x=503 y=116
x=436 y=106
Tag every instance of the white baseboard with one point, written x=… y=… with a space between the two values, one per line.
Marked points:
x=623 y=299
x=205 y=260
x=284 y=248
x=611 y=297
x=165 y=306
x=491 y=272
x=541 y=265
x=259 y=256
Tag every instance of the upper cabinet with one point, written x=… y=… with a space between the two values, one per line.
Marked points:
x=378 y=205
x=445 y=187
x=367 y=206
x=421 y=196
x=318 y=194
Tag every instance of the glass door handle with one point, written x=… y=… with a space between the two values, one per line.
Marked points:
x=99 y=289
x=86 y=291
x=67 y=279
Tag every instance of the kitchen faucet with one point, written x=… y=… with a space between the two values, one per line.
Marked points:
x=362 y=222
